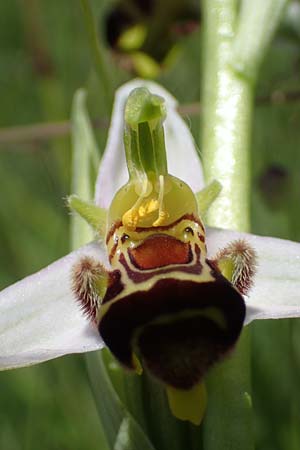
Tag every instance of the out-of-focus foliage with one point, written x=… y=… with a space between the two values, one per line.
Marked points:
x=275 y=211
x=44 y=59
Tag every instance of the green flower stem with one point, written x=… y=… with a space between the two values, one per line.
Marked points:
x=234 y=45
x=98 y=53
x=227 y=105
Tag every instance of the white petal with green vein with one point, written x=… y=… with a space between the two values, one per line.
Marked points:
x=276 y=289
x=40 y=318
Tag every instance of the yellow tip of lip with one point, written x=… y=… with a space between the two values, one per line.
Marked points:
x=188 y=404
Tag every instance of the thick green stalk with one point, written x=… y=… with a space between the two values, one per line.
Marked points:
x=98 y=53
x=227 y=102
x=227 y=106
x=235 y=42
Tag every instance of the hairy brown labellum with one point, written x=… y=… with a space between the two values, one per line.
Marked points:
x=179 y=328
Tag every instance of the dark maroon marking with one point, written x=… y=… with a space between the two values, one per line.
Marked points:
x=115 y=286
x=189 y=230
x=119 y=223
x=191 y=217
x=124 y=238
x=198 y=253
x=181 y=351
x=139 y=277
x=159 y=250
x=112 y=229
x=201 y=237
x=113 y=251
x=185 y=353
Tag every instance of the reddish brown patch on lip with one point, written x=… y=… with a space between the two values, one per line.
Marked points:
x=158 y=251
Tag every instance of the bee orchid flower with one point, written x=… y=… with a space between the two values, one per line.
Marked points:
x=138 y=284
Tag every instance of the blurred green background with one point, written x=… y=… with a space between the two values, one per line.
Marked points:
x=44 y=59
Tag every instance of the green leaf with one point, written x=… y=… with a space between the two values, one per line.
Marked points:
x=98 y=53
x=85 y=157
x=131 y=437
x=256 y=27
x=166 y=431
x=146 y=401
x=122 y=431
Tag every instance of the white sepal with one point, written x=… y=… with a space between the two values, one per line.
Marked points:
x=40 y=318
x=276 y=286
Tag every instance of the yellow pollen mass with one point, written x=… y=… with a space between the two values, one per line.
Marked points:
x=130 y=219
x=148 y=207
x=143 y=207
x=162 y=217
